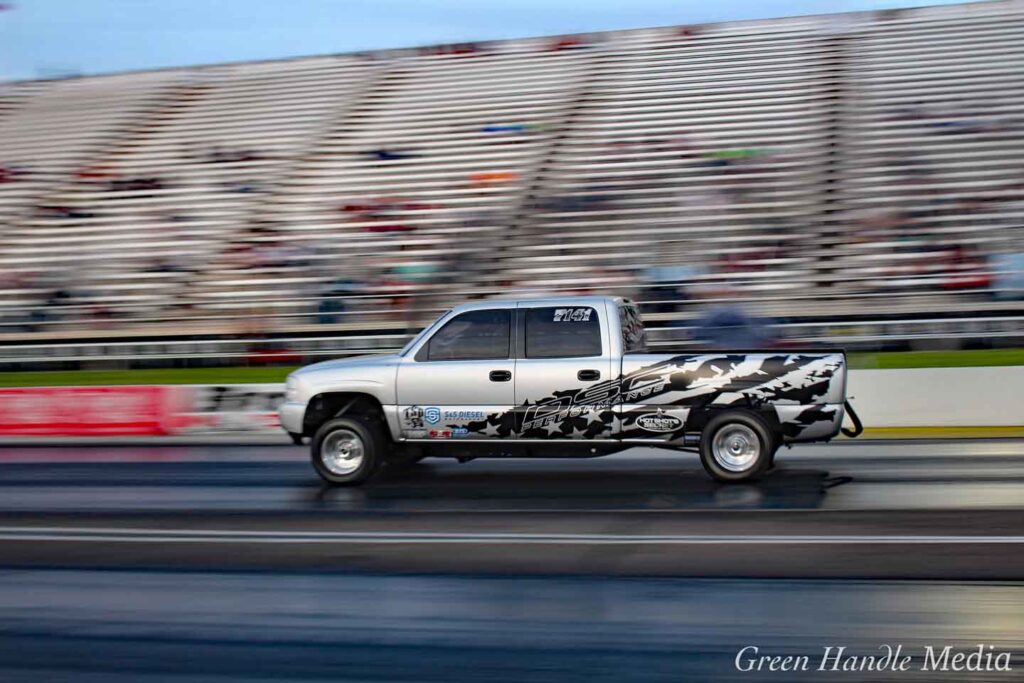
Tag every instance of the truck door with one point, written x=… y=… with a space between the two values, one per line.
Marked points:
x=565 y=387
x=648 y=408
x=459 y=383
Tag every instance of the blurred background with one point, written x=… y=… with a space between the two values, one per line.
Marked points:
x=211 y=193
x=847 y=179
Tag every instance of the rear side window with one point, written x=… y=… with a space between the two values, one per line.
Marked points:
x=474 y=335
x=562 y=332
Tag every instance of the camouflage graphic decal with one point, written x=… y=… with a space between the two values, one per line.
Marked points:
x=807 y=418
x=690 y=382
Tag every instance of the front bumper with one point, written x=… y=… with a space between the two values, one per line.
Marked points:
x=291 y=414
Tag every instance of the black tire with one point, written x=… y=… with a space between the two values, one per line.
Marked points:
x=776 y=445
x=337 y=438
x=743 y=453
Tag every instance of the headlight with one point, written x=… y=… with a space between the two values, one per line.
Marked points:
x=291 y=389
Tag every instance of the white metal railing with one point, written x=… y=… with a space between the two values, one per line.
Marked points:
x=851 y=334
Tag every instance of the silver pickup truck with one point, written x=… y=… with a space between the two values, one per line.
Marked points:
x=561 y=377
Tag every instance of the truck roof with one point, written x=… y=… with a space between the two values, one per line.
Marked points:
x=567 y=301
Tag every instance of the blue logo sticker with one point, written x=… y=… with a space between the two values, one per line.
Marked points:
x=432 y=415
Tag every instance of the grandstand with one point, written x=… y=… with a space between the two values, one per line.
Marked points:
x=856 y=177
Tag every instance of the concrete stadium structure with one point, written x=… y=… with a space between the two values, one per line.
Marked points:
x=857 y=175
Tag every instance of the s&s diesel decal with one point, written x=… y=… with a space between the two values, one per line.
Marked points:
x=463 y=414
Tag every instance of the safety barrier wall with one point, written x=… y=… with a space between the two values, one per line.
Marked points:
x=939 y=397
x=140 y=410
x=89 y=411
x=928 y=397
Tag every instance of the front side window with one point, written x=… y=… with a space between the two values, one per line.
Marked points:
x=421 y=334
x=562 y=332
x=474 y=335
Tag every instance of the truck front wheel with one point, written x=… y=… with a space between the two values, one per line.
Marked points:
x=736 y=445
x=348 y=450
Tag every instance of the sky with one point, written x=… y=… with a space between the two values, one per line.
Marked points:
x=46 y=38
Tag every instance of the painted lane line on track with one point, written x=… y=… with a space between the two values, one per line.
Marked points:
x=121 y=535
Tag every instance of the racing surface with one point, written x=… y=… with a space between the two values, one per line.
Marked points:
x=220 y=563
x=840 y=511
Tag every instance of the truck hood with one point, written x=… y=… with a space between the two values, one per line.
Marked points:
x=343 y=364
x=373 y=375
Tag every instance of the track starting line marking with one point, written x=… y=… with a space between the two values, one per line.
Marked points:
x=127 y=535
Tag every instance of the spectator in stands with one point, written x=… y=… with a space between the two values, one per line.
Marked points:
x=384 y=214
x=262 y=228
x=508 y=128
x=97 y=173
x=415 y=268
x=567 y=43
x=388 y=226
x=726 y=326
x=165 y=264
x=666 y=286
x=9 y=174
x=487 y=178
x=409 y=279
x=453 y=49
x=57 y=300
x=1008 y=275
x=386 y=154
x=220 y=155
x=137 y=184
x=59 y=211
x=242 y=186
x=241 y=256
x=332 y=307
x=662 y=298
x=966 y=268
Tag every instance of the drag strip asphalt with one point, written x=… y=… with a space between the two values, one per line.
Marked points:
x=119 y=626
x=868 y=510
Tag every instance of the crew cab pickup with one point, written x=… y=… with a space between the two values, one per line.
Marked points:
x=561 y=377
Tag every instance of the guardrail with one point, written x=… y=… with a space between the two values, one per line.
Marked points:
x=860 y=335
x=374 y=306
x=1001 y=330
x=225 y=349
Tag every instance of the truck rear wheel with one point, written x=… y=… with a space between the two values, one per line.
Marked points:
x=736 y=445
x=348 y=450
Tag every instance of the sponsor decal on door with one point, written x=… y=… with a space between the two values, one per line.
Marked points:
x=659 y=422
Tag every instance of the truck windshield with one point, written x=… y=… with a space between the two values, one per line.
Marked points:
x=426 y=330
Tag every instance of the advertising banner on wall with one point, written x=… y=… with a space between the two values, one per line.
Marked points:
x=228 y=408
x=140 y=410
x=88 y=411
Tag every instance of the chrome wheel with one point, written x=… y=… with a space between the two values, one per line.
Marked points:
x=736 y=447
x=342 y=452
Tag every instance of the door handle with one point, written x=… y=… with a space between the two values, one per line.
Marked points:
x=588 y=375
x=501 y=375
